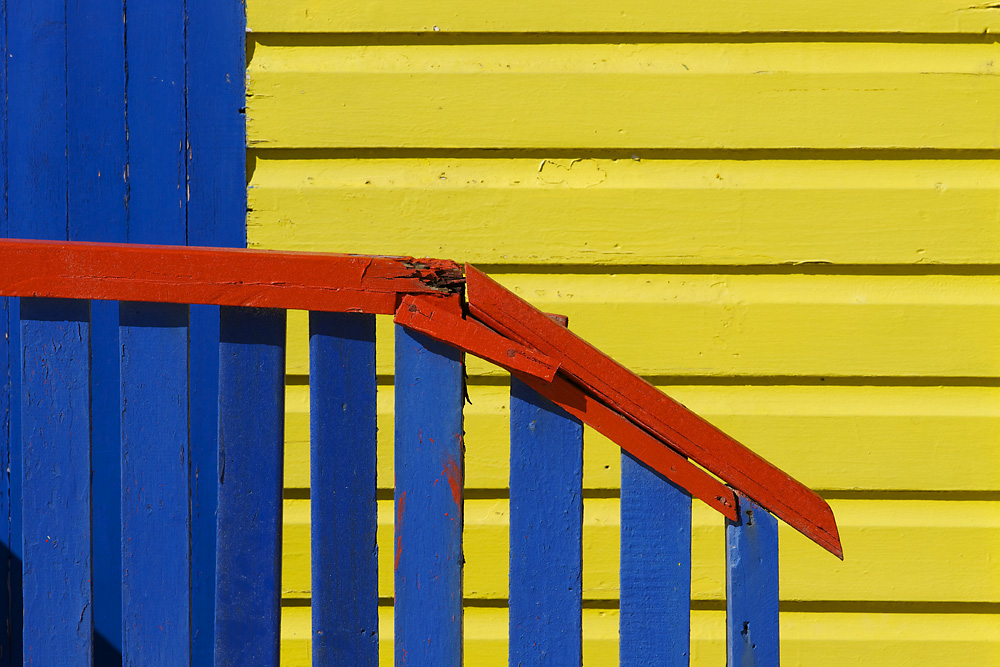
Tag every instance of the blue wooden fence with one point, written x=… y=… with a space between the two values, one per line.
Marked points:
x=156 y=533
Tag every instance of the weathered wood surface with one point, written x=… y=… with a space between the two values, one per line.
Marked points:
x=156 y=527
x=546 y=532
x=615 y=22
x=627 y=99
x=655 y=581
x=342 y=492
x=56 y=498
x=220 y=276
x=752 y=588
x=441 y=322
x=251 y=439
x=670 y=421
x=429 y=502
x=637 y=442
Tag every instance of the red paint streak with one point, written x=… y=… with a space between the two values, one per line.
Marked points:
x=453 y=474
x=400 y=509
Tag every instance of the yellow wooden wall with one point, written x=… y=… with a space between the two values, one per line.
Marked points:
x=785 y=214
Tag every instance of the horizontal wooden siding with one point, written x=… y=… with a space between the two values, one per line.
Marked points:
x=785 y=216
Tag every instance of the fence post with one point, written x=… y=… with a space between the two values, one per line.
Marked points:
x=55 y=408
x=546 y=531
x=428 y=498
x=156 y=535
x=752 y=587
x=251 y=449
x=655 y=616
x=342 y=413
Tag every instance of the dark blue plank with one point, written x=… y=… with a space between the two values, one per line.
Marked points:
x=216 y=215
x=752 y=588
x=428 y=497
x=35 y=63
x=251 y=439
x=155 y=485
x=96 y=137
x=546 y=531
x=55 y=406
x=655 y=616
x=7 y=562
x=157 y=123
x=342 y=410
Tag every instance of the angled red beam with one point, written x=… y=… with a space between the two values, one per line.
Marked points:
x=219 y=276
x=636 y=442
x=625 y=392
x=435 y=319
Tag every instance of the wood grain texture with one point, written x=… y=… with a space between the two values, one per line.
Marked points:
x=959 y=540
x=546 y=531
x=663 y=417
x=638 y=443
x=156 y=89
x=630 y=16
x=655 y=584
x=704 y=211
x=220 y=276
x=56 y=498
x=96 y=193
x=342 y=491
x=628 y=97
x=808 y=638
x=752 y=588
x=427 y=549
x=251 y=424
x=156 y=526
x=439 y=320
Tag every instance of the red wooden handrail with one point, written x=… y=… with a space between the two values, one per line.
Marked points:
x=423 y=294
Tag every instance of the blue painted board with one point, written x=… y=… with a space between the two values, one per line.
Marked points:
x=55 y=407
x=546 y=532
x=216 y=216
x=36 y=205
x=752 y=587
x=156 y=538
x=342 y=409
x=655 y=569
x=428 y=501
x=96 y=196
x=251 y=445
x=157 y=122
x=7 y=555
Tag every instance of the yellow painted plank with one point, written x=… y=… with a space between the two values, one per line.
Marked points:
x=623 y=16
x=631 y=212
x=828 y=639
x=661 y=324
x=896 y=550
x=632 y=96
x=828 y=437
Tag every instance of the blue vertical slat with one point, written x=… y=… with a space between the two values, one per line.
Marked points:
x=36 y=192
x=251 y=436
x=546 y=531
x=752 y=587
x=6 y=357
x=154 y=343
x=428 y=498
x=96 y=195
x=55 y=405
x=342 y=408
x=157 y=124
x=655 y=571
x=155 y=485
x=216 y=216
